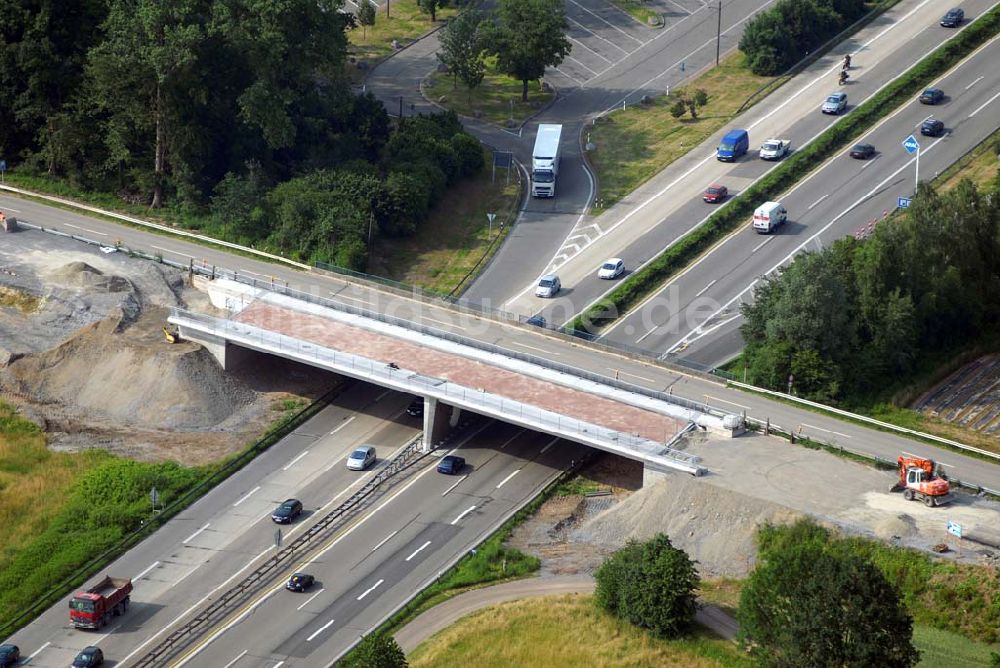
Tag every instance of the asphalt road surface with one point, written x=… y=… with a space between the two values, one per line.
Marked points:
x=228 y=531
x=840 y=199
x=667 y=207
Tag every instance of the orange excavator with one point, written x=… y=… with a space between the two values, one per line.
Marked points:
x=919 y=480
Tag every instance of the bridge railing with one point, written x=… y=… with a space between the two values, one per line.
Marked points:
x=488 y=403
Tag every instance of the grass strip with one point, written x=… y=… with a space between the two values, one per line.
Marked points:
x=677 y=256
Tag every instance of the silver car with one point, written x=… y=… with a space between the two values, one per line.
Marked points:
x=835 y=103
x=548 y=286
x=361 y=458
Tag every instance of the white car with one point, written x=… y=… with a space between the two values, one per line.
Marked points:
x=612 y=268
x=548 y=286
x=361 y=458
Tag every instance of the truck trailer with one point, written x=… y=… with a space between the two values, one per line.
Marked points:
x=545 y=160
x=93 y=608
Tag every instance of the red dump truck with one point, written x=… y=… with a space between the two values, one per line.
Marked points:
x=93 y=608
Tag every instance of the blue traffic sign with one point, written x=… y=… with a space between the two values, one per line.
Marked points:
x=954 y=528
x=3 y=165
x=903 y=202
x=910 y=144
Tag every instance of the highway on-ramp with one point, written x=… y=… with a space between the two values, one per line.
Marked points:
x=696 y=315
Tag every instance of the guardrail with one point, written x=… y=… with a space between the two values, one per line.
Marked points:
x=867 y=420
x=181 y=637
x=486 y=403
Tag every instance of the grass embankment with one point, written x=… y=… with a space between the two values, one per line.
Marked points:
x=497 y=99
x=980 y=165
x=564 y=631
x=737 y=212
x=636 y=143
x=404 y=24
x=454 y=242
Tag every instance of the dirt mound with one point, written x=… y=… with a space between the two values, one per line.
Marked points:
x=134 y=378
x=714 y=526
x=899 y=526
x=82 y=275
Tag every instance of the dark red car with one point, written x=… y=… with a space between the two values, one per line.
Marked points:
x=715 y=193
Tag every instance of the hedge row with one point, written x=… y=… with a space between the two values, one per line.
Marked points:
x=651 y=277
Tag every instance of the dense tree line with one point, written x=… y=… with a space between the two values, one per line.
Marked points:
x=238 y=107
x=846 y=320
x=779 y=37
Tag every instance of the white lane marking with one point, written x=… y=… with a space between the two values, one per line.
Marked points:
x=151 y=567
x=761 y=244
x=504 y=481
x=181 y=578
x=445 y=492
x=292 y=463
x=370 y=589
x=247 y=495
x=910 y=454
x=463 y=514
x=983 y=105
x=39 y=650
x=442 y=322
x=310 y=600
x=85 y=229
x=731 y=403
x=343 y=424
x=18 y=211
x=167 y=250
x=382 y=396
x=705 y=289
x=817 y=202
x=626 y=373
x=525 y=345
x=572 y=20
x=549 y=445
x=195 y=534
x=655 y=327
x=98 y=639
x=829 y=431
x=416 y=551
x=974 y=83
x=385 y=540
x=278 y=665
x=637 y=41
x=511 y=439
x=320 y=630
x=238 y=657
x=696 y=333
x=581 y=64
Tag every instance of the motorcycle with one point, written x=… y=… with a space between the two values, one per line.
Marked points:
x=844 y=76
x=847 y=62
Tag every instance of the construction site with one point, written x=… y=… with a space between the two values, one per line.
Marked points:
x=85 y=354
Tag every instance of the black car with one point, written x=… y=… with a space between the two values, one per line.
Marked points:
x=9 y=655
x=89 y=657
x=300 y=582
x=451 y=464
x=287 y=511
x=416 y=407
x=953 y=18
x=862 y=151
x=932 y=127
x=931 y=96
x=536 y=320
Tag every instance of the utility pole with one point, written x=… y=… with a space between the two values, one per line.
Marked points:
x=718 y=35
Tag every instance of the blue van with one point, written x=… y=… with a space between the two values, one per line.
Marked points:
x=733 y=145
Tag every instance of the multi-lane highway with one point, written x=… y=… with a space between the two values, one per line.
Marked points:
x=833 y=202
x=670 y=205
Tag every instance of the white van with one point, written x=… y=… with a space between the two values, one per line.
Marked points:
x=768 y=217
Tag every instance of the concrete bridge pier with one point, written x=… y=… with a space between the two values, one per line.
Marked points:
x=437 y=422
x=229 y=356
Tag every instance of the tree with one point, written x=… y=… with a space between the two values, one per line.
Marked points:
x=688 y=101
x=650 y=584
x=366 y=16
x=431 y=7
x=805 y=605
x=376 y=651
x=462 y=49
x=529 y=36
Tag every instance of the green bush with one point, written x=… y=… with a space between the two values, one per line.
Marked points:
x=637 y=286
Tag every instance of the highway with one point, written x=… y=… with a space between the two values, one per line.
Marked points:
x=670 y=205
x=396 y=550
x=834 y=201
x=229 y=530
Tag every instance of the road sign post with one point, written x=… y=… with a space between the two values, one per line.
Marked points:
x=3 y=170
x=913 y=146
x=903 y=202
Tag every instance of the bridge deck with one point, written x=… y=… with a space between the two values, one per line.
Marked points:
x=410 y=355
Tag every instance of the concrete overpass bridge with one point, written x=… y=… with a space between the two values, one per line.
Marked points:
x=455 y=372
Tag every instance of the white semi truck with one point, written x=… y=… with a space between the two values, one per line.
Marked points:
x=545 y=160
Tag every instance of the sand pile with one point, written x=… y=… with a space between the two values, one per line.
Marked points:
x=133 y=379
x=714 y=526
